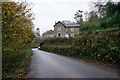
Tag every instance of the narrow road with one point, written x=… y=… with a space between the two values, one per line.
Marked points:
x=49 y=65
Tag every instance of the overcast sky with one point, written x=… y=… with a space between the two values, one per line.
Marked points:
x=46 y=12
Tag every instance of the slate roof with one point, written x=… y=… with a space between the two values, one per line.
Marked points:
x=72 y=25
x=68 y=25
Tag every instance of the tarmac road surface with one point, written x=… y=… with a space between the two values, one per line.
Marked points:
x=49 y=65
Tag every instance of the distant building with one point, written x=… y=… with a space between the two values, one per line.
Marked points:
x=37 y=33
x=48 y=34
x=66 y=29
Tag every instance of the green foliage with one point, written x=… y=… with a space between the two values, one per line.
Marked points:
x=15 y=64
x=17 y=35
x=99 y=47
x=107 y=30
x=106 y=16
x=89 y=26
x=93 y=17
x=113 y=21
x=58 y=41
x=112 y=8
x=92 y=28
x=112 y=15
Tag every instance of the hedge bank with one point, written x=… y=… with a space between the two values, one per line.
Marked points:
x=104 y=47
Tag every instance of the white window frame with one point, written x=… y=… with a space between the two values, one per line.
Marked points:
x=72 y=35
x=58 y=28
x=72 y=29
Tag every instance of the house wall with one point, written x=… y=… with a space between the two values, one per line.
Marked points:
x=72 y=31
x=56 y=31
x=48 y=36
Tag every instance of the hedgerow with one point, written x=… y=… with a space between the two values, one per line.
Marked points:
x=105 y=47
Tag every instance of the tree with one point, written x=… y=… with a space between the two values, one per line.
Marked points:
x=17 y=34
x=100 y=8
x=79 y=16
x=112 y=15
x=112 y=8
x=16 y=24
x=93 y=17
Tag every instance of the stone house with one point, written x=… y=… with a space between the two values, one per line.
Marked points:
x=66 y=30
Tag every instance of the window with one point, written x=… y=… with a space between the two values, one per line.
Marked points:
x=72 y=35
x=66 y=29
x=59 y=29
x=72 y=29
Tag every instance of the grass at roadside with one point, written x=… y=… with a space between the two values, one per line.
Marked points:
x=21 y=69
x=100 y=31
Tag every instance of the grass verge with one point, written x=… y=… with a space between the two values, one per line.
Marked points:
x=21 y=66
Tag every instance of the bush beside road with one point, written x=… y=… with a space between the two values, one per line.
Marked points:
x=104 y=47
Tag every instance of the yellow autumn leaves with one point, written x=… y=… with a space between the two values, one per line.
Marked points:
x=16 y=26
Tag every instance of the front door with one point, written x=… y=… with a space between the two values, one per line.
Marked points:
x=59 y=35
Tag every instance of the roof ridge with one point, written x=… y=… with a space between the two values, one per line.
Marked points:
x=67 y=25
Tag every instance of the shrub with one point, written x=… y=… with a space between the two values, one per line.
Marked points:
x=98 y=47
